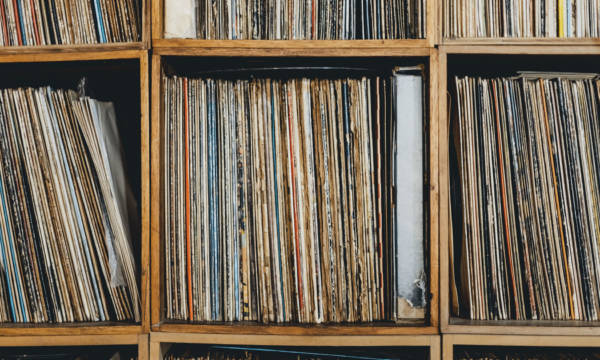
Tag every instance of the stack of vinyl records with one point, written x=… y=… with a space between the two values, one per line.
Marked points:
x=295 y=19
x=530 y=191
x=275 y=197
x=65 y=245
x=214 y=352
x=69 y=22
x=522 y=18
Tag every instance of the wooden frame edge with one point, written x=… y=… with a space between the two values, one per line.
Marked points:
x=521 y=49
x=434 y=233
x=444 y=237
x=145 y=183
x=155 y=176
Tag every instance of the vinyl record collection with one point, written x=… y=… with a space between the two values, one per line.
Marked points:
x=529 y=187
x=69 y=22
x=522 y=18
x=217 y=352
x=274 y=205
x=295 y=19
x=65 y=247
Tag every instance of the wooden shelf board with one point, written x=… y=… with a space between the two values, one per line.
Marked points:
x=313 y=330
x=295 y=340
x=521 y=327
x=521 y=49
x=70 y=329
x=522 y=41
x=69 y=56
x=73 y=340
x=283 y=48
x=286 y=44
x=72 y=48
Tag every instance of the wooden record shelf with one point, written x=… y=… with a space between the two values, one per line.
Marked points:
x=450 y=341
x=159 y=324
x=160 y=342
x=110 y=330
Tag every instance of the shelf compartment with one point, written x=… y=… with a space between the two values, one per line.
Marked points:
x=463 y=61
x=430 y=345
x=158 y=40
x=159 y=323
x=129 y=71
x=142 y=44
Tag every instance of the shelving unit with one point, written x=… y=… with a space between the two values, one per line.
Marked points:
x=436 y=53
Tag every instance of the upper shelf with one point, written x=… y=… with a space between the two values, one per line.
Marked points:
x=49 y=49
x=540 y=41
x=541 y=46
x=292 y=47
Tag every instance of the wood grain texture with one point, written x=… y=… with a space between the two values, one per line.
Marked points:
x=156 y=204
x=293 y=340
x=525 y=327
x=297 y=330
x=87 y=48
x=434 y=202
x=522 y=41
x=44 y=56
x=144 y=347
x=260 y=50
x=74 y=340
x=444 y=184
x=157 y=19
x=522 y=49
x=69 y=330
x=145 y=193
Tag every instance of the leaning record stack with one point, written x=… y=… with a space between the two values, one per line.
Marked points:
x=65 y=239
